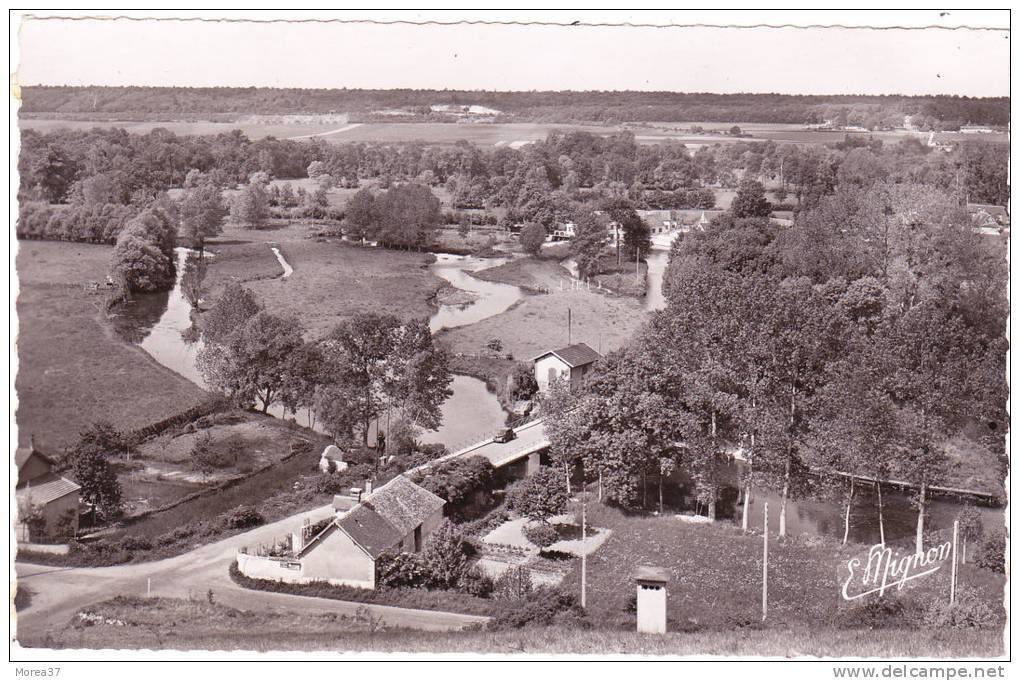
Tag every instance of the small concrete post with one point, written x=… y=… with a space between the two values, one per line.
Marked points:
x=651 y=599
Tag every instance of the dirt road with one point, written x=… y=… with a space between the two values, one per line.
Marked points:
x=56 y=593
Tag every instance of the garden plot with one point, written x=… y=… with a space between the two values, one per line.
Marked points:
x=506 y=547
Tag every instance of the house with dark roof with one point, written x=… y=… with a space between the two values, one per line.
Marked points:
x=395 y=518
x=572 y=363
x=47 y=502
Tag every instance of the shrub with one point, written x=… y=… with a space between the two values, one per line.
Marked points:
x=476 y=583
x=993 y=553
x=133 y=543
x=541 y=608
x=968 y=612
x=242 y=517
x=541 y=534
x=522 y=382
x=876 y=612
x=403 y=569
x=445 y=556
x=514 y=584
x=541 y=495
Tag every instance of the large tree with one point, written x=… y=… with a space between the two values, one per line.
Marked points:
x=202 y=210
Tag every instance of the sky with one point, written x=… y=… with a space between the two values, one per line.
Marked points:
x=515 y=57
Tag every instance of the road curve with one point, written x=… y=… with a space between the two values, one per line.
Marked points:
x=58 y=592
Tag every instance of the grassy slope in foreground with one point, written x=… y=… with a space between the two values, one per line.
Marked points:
x=73 y=368
x=159 y=623
x=716 y=575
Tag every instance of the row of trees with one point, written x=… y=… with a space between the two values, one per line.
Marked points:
x=365 y=367
x=857 y=343
x=567 y=105
x=538 y=183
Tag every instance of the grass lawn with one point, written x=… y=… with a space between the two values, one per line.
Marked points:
x=530 y=274
x=162 y=623
x=539 y=323
x=716 y=574
x=73 y=368
x=620 y=278
x=332 y=280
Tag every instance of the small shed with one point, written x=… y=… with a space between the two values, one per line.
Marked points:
x=572 y=363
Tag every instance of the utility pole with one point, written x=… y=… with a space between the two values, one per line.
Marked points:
x=952 y=581
x=568 y=326
x=765 y=568
x=584 y=545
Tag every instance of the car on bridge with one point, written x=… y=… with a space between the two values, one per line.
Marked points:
x=505 y=435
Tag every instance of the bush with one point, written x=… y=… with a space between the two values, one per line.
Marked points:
x=476 y=583
x=876 y=612
x=992 y=555
x=544 y=606
x=968 y=612
x=402 y=569
x=514 y=584
x=242 y=517
x=133 y=543
x=541 y=534
x=541 y=495
x=445 y=557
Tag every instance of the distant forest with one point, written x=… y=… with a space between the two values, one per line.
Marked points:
x=933 y=112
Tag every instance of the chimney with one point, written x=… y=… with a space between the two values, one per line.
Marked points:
x=368 y=487
x=31 y=442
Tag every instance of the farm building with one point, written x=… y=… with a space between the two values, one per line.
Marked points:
x=571 y=363
x=47 y=502
x=396 y=518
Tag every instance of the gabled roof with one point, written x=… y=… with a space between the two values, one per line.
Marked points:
x=998 y=214
x=23 y=454
x=45 y=489
x=388 y=515
x=575 y=355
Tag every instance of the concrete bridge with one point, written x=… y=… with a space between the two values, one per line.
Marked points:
x=529 y=444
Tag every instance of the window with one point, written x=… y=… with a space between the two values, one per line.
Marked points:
x=417 y=539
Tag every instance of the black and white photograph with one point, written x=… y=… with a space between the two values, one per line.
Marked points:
x=506 y=336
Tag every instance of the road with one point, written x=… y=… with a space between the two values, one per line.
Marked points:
x=347 y=127
x=58 y=592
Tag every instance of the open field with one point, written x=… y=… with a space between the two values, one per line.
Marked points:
x=73 y=368
x=725 y=592
x=331 y=280
x=167 y=623
x=253 y=130
x=531 y=274
x=539 y=322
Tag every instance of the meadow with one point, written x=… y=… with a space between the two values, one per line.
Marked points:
x=73 y=368
x=332 y=279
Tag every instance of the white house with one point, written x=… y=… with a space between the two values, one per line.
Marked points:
x=571 y=363
x=396 y=518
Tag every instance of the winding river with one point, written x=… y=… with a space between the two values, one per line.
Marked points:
x=157 y=323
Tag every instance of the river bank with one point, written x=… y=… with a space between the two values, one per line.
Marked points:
x=73 y=368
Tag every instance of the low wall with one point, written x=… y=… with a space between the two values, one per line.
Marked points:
x=54 y=549
x=277 y=569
